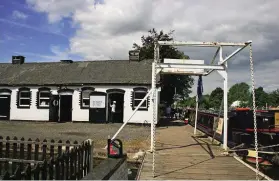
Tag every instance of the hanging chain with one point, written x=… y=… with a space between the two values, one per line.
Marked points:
x=156 y=57
x=254 y=112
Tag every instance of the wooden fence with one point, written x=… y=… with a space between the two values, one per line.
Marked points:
x=20 y=159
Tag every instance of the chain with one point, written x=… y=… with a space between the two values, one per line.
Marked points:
x=254 y=112
x=154 y=104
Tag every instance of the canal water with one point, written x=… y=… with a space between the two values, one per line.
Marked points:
x=133 y=167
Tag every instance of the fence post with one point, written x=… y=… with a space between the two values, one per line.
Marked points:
x=44 y=149
x=51 y=151
x=75 y=163
x=29 y=149
x=91 y=148
x=62 y=170
x=21 y=151
x=57 y=168
x=85 y=158
x=14 y=154
x=44 y=170
x=68 y=145
x=71 y=165
x=50 y=169
x=60 y=147
x=7 y=155
x=67 y=165
x=79 y=168
x=37 y=149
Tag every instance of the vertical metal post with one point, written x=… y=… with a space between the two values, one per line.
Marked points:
x=154 y=80
x=152 y=121
x=224 y=74
x=225 y=111
x=196 y=117
x=225 y=96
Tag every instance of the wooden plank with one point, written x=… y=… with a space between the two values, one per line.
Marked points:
x=182 y=157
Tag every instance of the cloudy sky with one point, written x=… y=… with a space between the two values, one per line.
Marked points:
x=50 y=30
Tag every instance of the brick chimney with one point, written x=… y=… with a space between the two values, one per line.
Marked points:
x=134 y=55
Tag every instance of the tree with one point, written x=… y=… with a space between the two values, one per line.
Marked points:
x=216 y=97
x=182 y=83
x=239 y=92
x=261 y=97
x=205 y=102
x=274 y=98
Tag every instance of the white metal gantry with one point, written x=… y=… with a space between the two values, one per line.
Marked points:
x=189 y=67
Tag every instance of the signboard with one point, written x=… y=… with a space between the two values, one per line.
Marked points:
x=219 y=129
x=181 y=70
x=276 y=119
x=97 y=101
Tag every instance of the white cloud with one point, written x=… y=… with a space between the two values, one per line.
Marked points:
x=19 y=15
x=109 y=29
x=57 y=52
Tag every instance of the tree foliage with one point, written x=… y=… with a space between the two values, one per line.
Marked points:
x=216 y=98
x=239 y=92
x=273 y=98
x=182 y=83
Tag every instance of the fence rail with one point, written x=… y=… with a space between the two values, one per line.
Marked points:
x=20 y=159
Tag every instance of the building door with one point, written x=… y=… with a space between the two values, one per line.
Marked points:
x=97 y=107
x=119 y=109
x=54 y=108
x=5 y=103
x=66 y=107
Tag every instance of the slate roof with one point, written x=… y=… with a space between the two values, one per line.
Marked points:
x=80 y=72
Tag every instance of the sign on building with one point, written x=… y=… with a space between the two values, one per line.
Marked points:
x=97 y=101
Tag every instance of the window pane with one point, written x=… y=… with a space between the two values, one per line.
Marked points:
x=24 y=102
x=85 y=102
x=25 y=94
x=140 y=95
x=44 y=102
x=44 y=94
x=85 y=94
x=137 y=102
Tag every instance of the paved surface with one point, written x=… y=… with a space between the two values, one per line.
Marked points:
x=133 y=137
x=181 y=156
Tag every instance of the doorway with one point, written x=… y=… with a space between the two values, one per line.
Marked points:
x=98 y=107
x=119 y=109
x=66 y=105
x=5 y=103
x=54 y=108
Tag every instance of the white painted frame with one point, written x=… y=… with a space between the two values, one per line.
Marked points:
x=44 y=98
x=24 y=98
x=158 y=67
x=221 y=68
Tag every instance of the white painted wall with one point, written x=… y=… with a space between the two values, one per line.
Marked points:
x=77 y=114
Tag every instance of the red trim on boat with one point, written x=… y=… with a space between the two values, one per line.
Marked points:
x=261 y=161
x=272 y=130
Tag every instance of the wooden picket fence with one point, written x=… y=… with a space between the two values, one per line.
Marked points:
x=20 y=159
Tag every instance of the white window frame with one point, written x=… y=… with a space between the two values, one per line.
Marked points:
x=82 y=98
x=43 y=98
x=24 y=98
x=134 y=99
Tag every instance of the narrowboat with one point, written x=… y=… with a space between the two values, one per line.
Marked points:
x=241 y=131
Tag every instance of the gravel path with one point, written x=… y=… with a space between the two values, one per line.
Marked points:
x=133 y=136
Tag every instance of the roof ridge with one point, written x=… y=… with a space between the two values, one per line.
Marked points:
x=41 y=62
